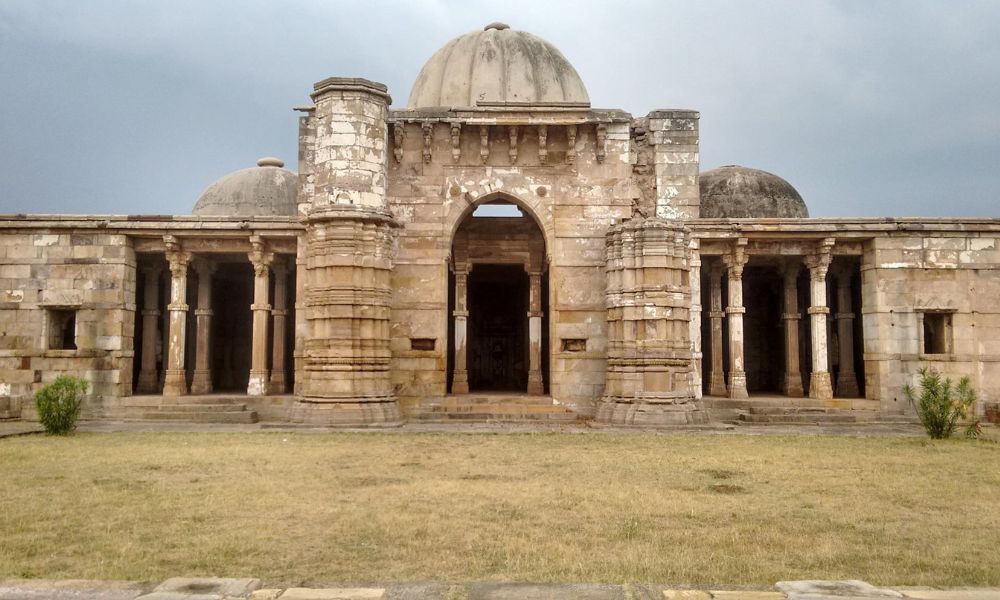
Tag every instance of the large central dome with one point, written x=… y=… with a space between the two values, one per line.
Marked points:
x=497 y=66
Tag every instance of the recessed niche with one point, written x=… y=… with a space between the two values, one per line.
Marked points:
x=574 y=344
x=422 y=343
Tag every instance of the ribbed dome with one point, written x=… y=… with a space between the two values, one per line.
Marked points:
x=734 y=192
x=497 y=65
x=264 y=190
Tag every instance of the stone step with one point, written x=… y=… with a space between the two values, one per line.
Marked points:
x=504 y=407
x=793 y=419
x=788 y=402
x=502 y=398
x=157 y=400
x=517 y=417
x=189 y=408
x=782 y=410
x=238 y=416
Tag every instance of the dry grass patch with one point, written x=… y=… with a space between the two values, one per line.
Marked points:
x=306 y=508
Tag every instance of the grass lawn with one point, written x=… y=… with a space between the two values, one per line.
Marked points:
x=319 y=508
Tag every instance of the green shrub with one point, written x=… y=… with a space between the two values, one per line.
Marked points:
x=59 y=404
x=941 y=404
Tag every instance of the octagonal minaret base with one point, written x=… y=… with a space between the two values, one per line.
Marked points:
x=649 y=302
x=346 y=355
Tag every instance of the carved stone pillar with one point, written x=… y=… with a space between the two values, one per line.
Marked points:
x=301 y=325
x=648 y=380
x=792 y=384
x=149 y=377
x=175 y=380
x=535 y=383
x=695 y=323
x=279 y=318
x=847 y=380
x=460 y=378
x=201 y=382
x=735 y=262
x=818 y=262
x=261 y=261
x=717 y=375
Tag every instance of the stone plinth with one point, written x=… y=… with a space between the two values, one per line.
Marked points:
x=649 y=303
x=346 y=354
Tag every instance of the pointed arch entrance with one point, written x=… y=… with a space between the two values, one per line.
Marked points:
x=498 y=302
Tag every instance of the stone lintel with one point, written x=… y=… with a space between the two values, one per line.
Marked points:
x=510 y=115
x=674 y=113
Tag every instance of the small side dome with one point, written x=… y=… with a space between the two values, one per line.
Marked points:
x=735 y=192
x=263 y=191
x=495 y=67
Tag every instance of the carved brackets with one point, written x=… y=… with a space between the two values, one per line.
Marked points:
x=819 y=259
x=177 y=257
x=571 y=144
x=513 y=144
x=428 y=129
x=602 y=138
x=398 y=132
x=737 y=258
x=259 y=256
x=543 y=137
x=484 y=143
x=456 y=140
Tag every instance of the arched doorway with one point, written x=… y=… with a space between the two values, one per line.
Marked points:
x=498 y=302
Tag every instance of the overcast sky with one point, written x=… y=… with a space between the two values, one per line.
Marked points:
x=868 y=107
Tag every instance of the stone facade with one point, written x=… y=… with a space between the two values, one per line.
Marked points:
x=524 y=254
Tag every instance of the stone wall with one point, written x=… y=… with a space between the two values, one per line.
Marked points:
x=952 y=278
x=575 y=185
x=48 y=276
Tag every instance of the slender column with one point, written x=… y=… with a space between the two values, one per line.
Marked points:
x=535 y=384
x=847 y=380
x=175 y=380
x=717 y=376
x=819 y=262
x=792 y=384
x=201 y=382
x=261 y=261
x=735 y=262
x=279 y=316
x=149 y=377
x=301 y=324
x=694 y=321
x=460 y=378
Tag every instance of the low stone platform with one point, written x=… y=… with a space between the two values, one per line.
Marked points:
x=213 y=588
x=209 y=408
x=493 y=407
x=768 y=409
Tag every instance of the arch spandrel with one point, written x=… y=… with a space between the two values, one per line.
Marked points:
x=538 y=208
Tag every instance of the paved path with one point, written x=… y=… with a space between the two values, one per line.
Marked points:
x=181 y=588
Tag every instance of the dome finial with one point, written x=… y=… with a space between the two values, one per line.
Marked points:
x=270 y=161
x=496 y=25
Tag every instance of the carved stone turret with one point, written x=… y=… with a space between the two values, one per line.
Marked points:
x=350 y=238
x=649 y=303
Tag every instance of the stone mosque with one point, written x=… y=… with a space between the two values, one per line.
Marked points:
x=497 y=249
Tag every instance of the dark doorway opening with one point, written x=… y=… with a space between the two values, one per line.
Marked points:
x=232 y=333
x=498 y=328
x=764 y=346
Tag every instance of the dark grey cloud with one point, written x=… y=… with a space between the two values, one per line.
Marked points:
x=872 y=108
